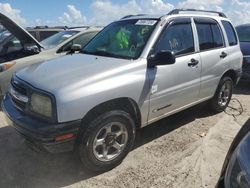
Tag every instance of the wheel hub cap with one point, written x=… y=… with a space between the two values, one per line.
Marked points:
x=224 y=94
x=110 y=141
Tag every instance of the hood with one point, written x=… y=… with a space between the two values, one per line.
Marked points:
x=77 y=69
x=18 y=31
x=245 y=48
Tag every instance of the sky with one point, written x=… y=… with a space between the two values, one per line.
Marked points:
x=102 y=12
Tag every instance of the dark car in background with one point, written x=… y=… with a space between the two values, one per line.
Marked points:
x=235 y=172
x=42 y=32
x=244 y=37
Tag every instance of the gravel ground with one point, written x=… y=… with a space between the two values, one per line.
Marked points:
x=183 y=150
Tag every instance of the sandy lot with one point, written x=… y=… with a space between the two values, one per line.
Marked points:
x=184 y=150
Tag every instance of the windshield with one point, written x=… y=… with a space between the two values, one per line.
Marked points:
x=243 y=33
x=122 y=39
x=57 y=39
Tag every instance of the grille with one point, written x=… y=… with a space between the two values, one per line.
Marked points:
x=19 y=88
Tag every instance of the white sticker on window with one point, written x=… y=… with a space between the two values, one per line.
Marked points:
x=145 y=22
x=66 y=36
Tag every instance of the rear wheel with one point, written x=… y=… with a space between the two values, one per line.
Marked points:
x=107 y=141
x=223 y=95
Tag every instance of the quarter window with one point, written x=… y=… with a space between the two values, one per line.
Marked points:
x=231 y=35
x=177 y=38
x=209 y=36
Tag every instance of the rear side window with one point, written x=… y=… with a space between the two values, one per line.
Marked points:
x=177 y=38
x=210 y=36
x=217 y=36
x=231 y=35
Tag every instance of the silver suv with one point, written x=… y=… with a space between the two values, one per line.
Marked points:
x=136 y=71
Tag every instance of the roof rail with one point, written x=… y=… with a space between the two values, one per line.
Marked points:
x=128 y=16
x=177 y=11
x=79 y=27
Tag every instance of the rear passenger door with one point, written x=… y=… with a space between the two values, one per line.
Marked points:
x=212 y=53
x=178 y=84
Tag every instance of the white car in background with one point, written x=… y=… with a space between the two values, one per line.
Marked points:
x=19 y=49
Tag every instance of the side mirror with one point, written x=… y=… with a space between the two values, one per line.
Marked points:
x=161 y=58
x=75 y=48
x=32 y=49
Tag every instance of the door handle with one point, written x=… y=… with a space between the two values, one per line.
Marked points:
x=193 y=62
x=223 y=55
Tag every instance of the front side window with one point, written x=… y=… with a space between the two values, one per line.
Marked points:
x=177 y=38
x=82 y=40
x=231 y=35
x=122 y=39
x=210 y=36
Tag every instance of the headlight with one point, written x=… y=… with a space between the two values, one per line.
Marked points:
x=41 y=104
x=238 y=170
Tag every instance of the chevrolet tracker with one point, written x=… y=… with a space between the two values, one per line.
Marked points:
x=136 y=71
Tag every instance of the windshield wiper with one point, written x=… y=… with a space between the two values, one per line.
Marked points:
x=98 y=52
x=104 y=53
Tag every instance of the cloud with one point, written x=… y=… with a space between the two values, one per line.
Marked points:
x=199 y=4
x=72 y=17
x=14 y=14
x=202 y=4
x=105 y=11
x=239 y=12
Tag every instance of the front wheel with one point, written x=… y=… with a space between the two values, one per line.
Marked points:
x=223 y=95
x=107 y=141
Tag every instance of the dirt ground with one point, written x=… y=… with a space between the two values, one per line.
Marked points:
x=184 y=150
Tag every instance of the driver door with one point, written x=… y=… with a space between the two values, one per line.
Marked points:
x=178 y=84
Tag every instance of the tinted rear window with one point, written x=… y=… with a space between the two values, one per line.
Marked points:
x=243 y=33
x=209 y=36
x=231 y=35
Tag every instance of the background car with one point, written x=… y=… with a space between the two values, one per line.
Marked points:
x=235 y=172
x=19 y=48
x=42 y=32
x=244 y=37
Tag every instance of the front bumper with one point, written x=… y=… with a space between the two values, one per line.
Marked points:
x=40 y=134
x=238 y=75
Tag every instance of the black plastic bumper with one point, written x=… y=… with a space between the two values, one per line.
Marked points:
x=40 y=134
x=238 y=75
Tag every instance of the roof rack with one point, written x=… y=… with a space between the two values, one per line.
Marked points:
x=128 y=16
x=177 y=11
x=79 y=27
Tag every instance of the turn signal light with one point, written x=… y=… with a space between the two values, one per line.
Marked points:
x=64 y=137
x=6 y=66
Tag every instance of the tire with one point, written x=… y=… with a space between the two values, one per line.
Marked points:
x=107 y=141
x=223 y=95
